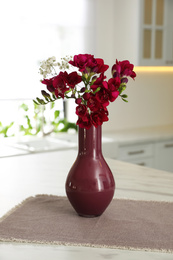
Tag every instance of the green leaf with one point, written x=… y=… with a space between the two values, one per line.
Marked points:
x=68 y=126
x=29 y=122
x=4 y=129
x=52 y=105
x=97 y=89
x=56 y=113
x=11 y=124
x=21 y=127
x=124 y=96
x=24 y=107
x=125 y=100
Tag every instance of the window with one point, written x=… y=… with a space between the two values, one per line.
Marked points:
x=33 y=30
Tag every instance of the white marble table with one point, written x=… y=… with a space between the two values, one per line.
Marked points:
x=45 y=173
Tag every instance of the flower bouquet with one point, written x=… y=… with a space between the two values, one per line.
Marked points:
x=86 y=84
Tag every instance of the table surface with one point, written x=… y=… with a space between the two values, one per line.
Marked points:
x=45 y=173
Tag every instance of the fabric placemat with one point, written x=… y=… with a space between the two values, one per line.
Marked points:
x=126 y=224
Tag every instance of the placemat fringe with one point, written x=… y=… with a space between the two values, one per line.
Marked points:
x=58 y=243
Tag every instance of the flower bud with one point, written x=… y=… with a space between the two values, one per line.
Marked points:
x=124 y=80
x=78 y=101
x=45 y=94
x=86 y=95
x=82 y=90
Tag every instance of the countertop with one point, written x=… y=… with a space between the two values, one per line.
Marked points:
x=141 y=135
x=65 y=141
x=45 y=173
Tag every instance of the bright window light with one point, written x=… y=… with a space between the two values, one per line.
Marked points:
x=34 y=30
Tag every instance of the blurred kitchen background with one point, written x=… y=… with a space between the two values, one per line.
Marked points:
x=140 y=131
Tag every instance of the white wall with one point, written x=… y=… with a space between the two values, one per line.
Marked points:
x=150 y=103
x=117 y=30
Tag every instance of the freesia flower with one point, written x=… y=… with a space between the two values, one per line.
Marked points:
x=88 y=86
x=123 y=68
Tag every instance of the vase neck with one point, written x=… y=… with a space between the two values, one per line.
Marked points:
x=90 y=142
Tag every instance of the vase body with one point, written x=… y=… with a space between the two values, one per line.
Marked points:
x=90 y=184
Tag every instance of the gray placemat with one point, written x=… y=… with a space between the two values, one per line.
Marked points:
x=126 y=224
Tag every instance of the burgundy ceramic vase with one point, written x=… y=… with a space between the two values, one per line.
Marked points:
x=90 y=184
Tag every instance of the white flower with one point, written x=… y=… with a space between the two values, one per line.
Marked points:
x=47 y=67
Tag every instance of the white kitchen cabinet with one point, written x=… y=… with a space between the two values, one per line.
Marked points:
x=169 y=33
x=141 y=154
x=141 y=31
x=164 y=155
x=152 y=147
x=144 y=161
x=155 y=154
x=156 y=33
x=135 y=151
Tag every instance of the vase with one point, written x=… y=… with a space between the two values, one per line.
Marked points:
x=90 y=183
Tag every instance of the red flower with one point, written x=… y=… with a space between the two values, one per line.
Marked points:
x=81 y=111
x=49 y=83
x=98 y=82
x=87 y=63
x=113 y=95
x=84 y=124
x=113 y=85
x=84 y=117
x=86 y=95
x=73 y=79
x=78 y=101
x=97 y=118
x=102 y=97
x=96 y=65
x=100 y=67
x=80 y=61
x=93 y=103
x=59 y=83
x=123 y=68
